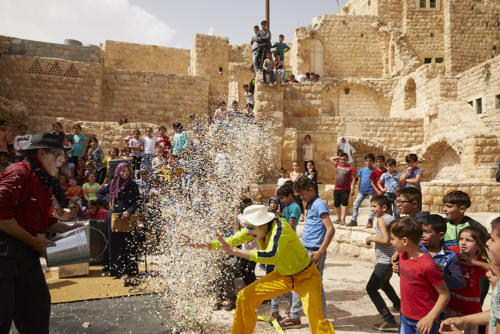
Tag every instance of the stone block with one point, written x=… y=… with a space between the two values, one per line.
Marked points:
x=348 y=250
x=358 y=237
x=342 y=234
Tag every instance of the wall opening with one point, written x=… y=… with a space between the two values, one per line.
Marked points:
x=410 y=94
x=479 y=106
x=316 y=64
x=441 y=162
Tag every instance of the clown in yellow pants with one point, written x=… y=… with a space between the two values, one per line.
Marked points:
x=307 y=284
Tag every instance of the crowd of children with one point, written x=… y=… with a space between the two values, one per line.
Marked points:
x=445 y=264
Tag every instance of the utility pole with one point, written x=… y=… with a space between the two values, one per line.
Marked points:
x=267 y=15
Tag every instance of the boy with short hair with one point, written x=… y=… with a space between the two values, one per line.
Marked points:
x=433 y=230
x=291 y=211
x=455 y=203
x=365 y=189
x=409 y=202
x=344 y=184
x=491 y=317
x=316 y=236
x=280 y=48
x=248 y=95
x=424 y=294
x=283 y=177
x=377 y=173
x=380 y=278
x=268 y=69
x=412 y=175
x=389 y=184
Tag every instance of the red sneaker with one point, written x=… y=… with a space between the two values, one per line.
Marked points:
x=290 y=323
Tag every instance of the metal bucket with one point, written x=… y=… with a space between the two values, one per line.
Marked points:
x=71 y=247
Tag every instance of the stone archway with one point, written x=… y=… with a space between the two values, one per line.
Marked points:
x=363 y=147
x=410 y=94
x=441 y=161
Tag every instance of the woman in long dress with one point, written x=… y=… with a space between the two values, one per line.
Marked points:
x=122 y=194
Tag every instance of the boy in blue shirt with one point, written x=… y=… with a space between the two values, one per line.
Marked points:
x=291 y=212
x=365 y=190
x=317 y=234
x=389 y=184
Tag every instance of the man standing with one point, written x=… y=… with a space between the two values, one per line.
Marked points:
x=26 y=190
x=263 y=43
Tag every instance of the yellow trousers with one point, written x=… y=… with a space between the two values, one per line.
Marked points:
x=307 y=284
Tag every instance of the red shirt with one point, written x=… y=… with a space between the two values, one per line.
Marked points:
x=24 y=198
x=164 y=142
x=418 y=277
x=101 y=214
x=375 y=176
x=343 y=177
x=468 y=299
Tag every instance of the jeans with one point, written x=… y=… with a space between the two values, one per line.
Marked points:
x=254 y=60
x=281 y=73
x=380 y=280
x=147 y=162
x=272 y=76
x=409 y=326
x=297 y=304
x=391 y=197
x=357 y=203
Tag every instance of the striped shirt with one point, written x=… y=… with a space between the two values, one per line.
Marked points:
x=383 y=253
x=281 y=248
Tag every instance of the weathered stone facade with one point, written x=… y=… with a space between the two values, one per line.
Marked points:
x=398 y=77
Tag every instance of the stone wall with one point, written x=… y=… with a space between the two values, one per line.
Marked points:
x=472 y=33
x=156 y=97
x=483 y=82
x=388 y=10
x=424 y=29
x=147 y=58
x=53 y=87
x=350 y=48
x=210 y=58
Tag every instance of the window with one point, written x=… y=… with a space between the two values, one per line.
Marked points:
x=479 y=106
x=439 y=60
x=471 y=103
x=497 y=99
x=432 y=4
x=427 y=60
x=422 y=3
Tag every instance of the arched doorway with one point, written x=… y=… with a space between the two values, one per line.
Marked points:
x=410 y=94
x=316 y=64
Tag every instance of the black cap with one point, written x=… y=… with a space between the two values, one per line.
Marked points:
x=45 y=140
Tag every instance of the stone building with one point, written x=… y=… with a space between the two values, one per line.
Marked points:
x=398 y=77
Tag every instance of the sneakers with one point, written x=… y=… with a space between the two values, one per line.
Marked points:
x=370 y=223
x=387 y=327
x=290 y=323
x=352 y=223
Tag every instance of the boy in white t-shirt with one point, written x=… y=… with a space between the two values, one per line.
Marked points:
x=283 y=178
x=308 y=149
x=149 y=149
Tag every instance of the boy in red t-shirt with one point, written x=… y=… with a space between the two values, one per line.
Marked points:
x=343 y=185
x=377 y=173
x=74 y=191
x=94 y=211
x=424 y=294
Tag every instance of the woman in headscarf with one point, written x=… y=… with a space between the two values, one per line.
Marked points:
x=346 y=147
x=122 y=194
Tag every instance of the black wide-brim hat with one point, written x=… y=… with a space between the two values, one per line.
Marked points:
x=45 y=140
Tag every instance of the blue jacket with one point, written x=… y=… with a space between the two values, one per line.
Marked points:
x=452 y=272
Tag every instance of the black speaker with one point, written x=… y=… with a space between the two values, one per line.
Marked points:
x=113 y=163
x=97 y=240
